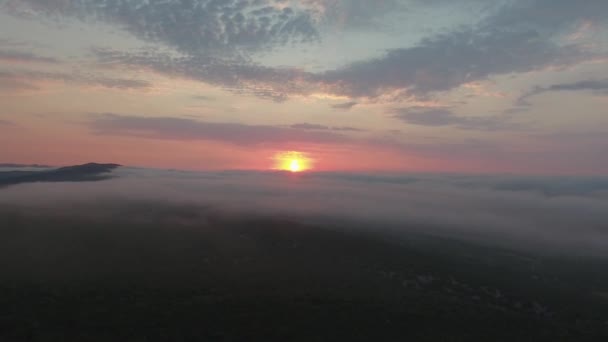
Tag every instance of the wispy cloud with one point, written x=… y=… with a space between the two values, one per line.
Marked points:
x=227 y=28
x=212 y=34
x=549 y=15
x=10 y=84
x=19 y=57
x=238 y=77
x=435 y=117
x=17 y=80
x=215 y=39
x=310 y=126
x=203 y=98
x=448 y=61
x=599 y=86
x=189 y=129
x=463 y=57
x=345 y=105
x=349 y=14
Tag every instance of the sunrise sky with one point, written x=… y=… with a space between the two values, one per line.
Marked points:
x=414 y=85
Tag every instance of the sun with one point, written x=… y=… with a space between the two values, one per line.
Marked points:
x=294 y=166
x=292 y=161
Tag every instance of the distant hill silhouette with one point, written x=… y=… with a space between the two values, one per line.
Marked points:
x=77 y=173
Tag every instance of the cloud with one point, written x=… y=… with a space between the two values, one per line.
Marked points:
x=8 y=56
x=437 y=64
x=203 y=98
x=345 y=105
x=562 y=153
x=242 y=78
x=189 y=129
x=549 y=15
x=448 y=61
x=10 y=83
x=582 y=85
x=347 y=128
x=585 y=85
x=199 y=27
x=308 y=126
x=349 y=14
x=11 y=42
x=508 y=40
x=555 y=186
x=444 y=117
x=18 y=80
x=512 y=211
x=78 y=173
x=6 y=123
x=216 y=37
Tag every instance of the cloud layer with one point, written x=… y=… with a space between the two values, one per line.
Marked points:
x=216 y=38
x=564 y=215
x=19 y=80
x=437 y=64
x=234 y=133
x=209 y=27
x=598 y=86
x=436 y=117
x=12 y=56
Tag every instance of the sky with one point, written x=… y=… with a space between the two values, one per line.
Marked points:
x=466 y=86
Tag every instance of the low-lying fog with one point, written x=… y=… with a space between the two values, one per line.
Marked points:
x=566 y=215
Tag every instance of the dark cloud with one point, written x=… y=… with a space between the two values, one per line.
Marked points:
x=6 y=123
x=447 y=61
x=243 y=78
x=309 y=126
x=188 y=129
x=345 y=105
x=585 y=85
x=516 y=37
x=78 y=173
x=499 y=45
x=347 y=128
x=9 y=56
x=445 y=117
x=438 y=64
x=549 y=15
x=582 y=85
x=207 y=27
x=355 y=14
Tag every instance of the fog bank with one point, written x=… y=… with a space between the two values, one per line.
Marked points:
x=568 y=215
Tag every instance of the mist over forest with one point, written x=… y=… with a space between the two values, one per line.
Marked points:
x=100 y=252
x=564 y=215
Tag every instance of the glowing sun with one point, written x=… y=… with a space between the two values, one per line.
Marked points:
x=294 y=166
x=292 y=161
